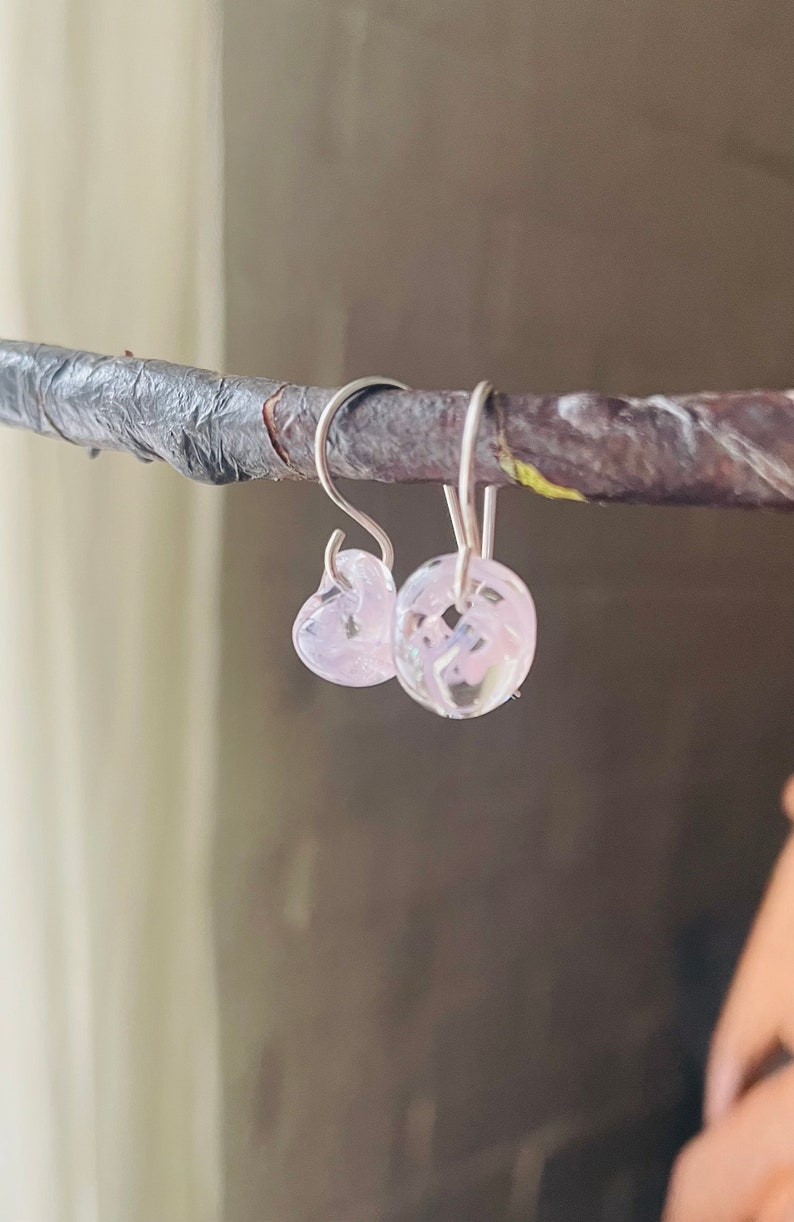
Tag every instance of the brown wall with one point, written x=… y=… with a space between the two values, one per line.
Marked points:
x=468 y=970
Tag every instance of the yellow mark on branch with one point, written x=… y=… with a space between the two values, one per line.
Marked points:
x=527 y=475
x=523 y=472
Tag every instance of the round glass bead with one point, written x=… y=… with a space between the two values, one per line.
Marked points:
x=467 y=665
x=344 y=634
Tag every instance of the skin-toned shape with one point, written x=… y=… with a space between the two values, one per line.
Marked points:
x=741 y=1167
x=729 y=448
x=733 y=1171
x=779 y=1202
x=758 y=1016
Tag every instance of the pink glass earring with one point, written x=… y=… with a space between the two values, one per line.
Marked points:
x=343 y=632
x=465 y=625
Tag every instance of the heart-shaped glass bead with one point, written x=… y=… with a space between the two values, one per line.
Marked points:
x=344 y=634
x=469 y=667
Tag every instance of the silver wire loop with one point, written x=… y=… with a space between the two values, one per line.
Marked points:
x=462 y=503
x=338 y=400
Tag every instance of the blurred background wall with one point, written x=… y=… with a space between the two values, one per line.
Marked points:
x=110 y=222
x=467 y=971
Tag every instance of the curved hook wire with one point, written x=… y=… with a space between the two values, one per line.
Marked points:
x=462 y=503
x=488 y=516
x=336 y=540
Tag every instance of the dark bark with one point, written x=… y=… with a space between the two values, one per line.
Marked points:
x=722 y=448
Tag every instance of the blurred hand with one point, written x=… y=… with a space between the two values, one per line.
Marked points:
x=741 y=1167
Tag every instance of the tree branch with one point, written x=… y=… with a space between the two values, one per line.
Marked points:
x=726 y=448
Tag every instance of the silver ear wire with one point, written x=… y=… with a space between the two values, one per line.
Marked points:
x=489 y=522
x=336 y=540
x=462 y=504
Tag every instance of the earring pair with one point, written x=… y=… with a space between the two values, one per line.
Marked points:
x=459 y=636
